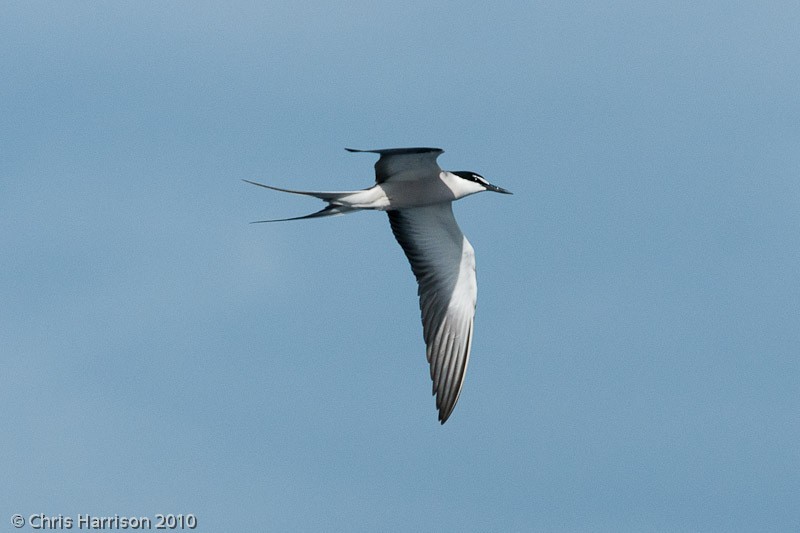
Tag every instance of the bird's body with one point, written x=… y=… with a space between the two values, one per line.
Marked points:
x=417 y=195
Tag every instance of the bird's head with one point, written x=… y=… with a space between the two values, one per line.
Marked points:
x=482 y=183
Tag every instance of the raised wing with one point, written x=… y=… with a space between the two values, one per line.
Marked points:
x=405 y=163
x=443 y=262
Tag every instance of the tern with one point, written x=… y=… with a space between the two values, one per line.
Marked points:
x=418 y=195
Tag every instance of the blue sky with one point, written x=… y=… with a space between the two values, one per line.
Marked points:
x=635 y=361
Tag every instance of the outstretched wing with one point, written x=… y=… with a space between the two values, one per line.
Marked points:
x=405 y=163
x=443 y=262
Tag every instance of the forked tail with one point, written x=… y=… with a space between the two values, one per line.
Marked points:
x=333 y=208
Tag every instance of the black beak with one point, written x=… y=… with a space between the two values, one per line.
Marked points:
x=495 y=188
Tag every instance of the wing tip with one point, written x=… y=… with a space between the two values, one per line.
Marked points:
x=443 y=406
x=398 y=151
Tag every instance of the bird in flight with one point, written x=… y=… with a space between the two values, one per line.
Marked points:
x=418 y=195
